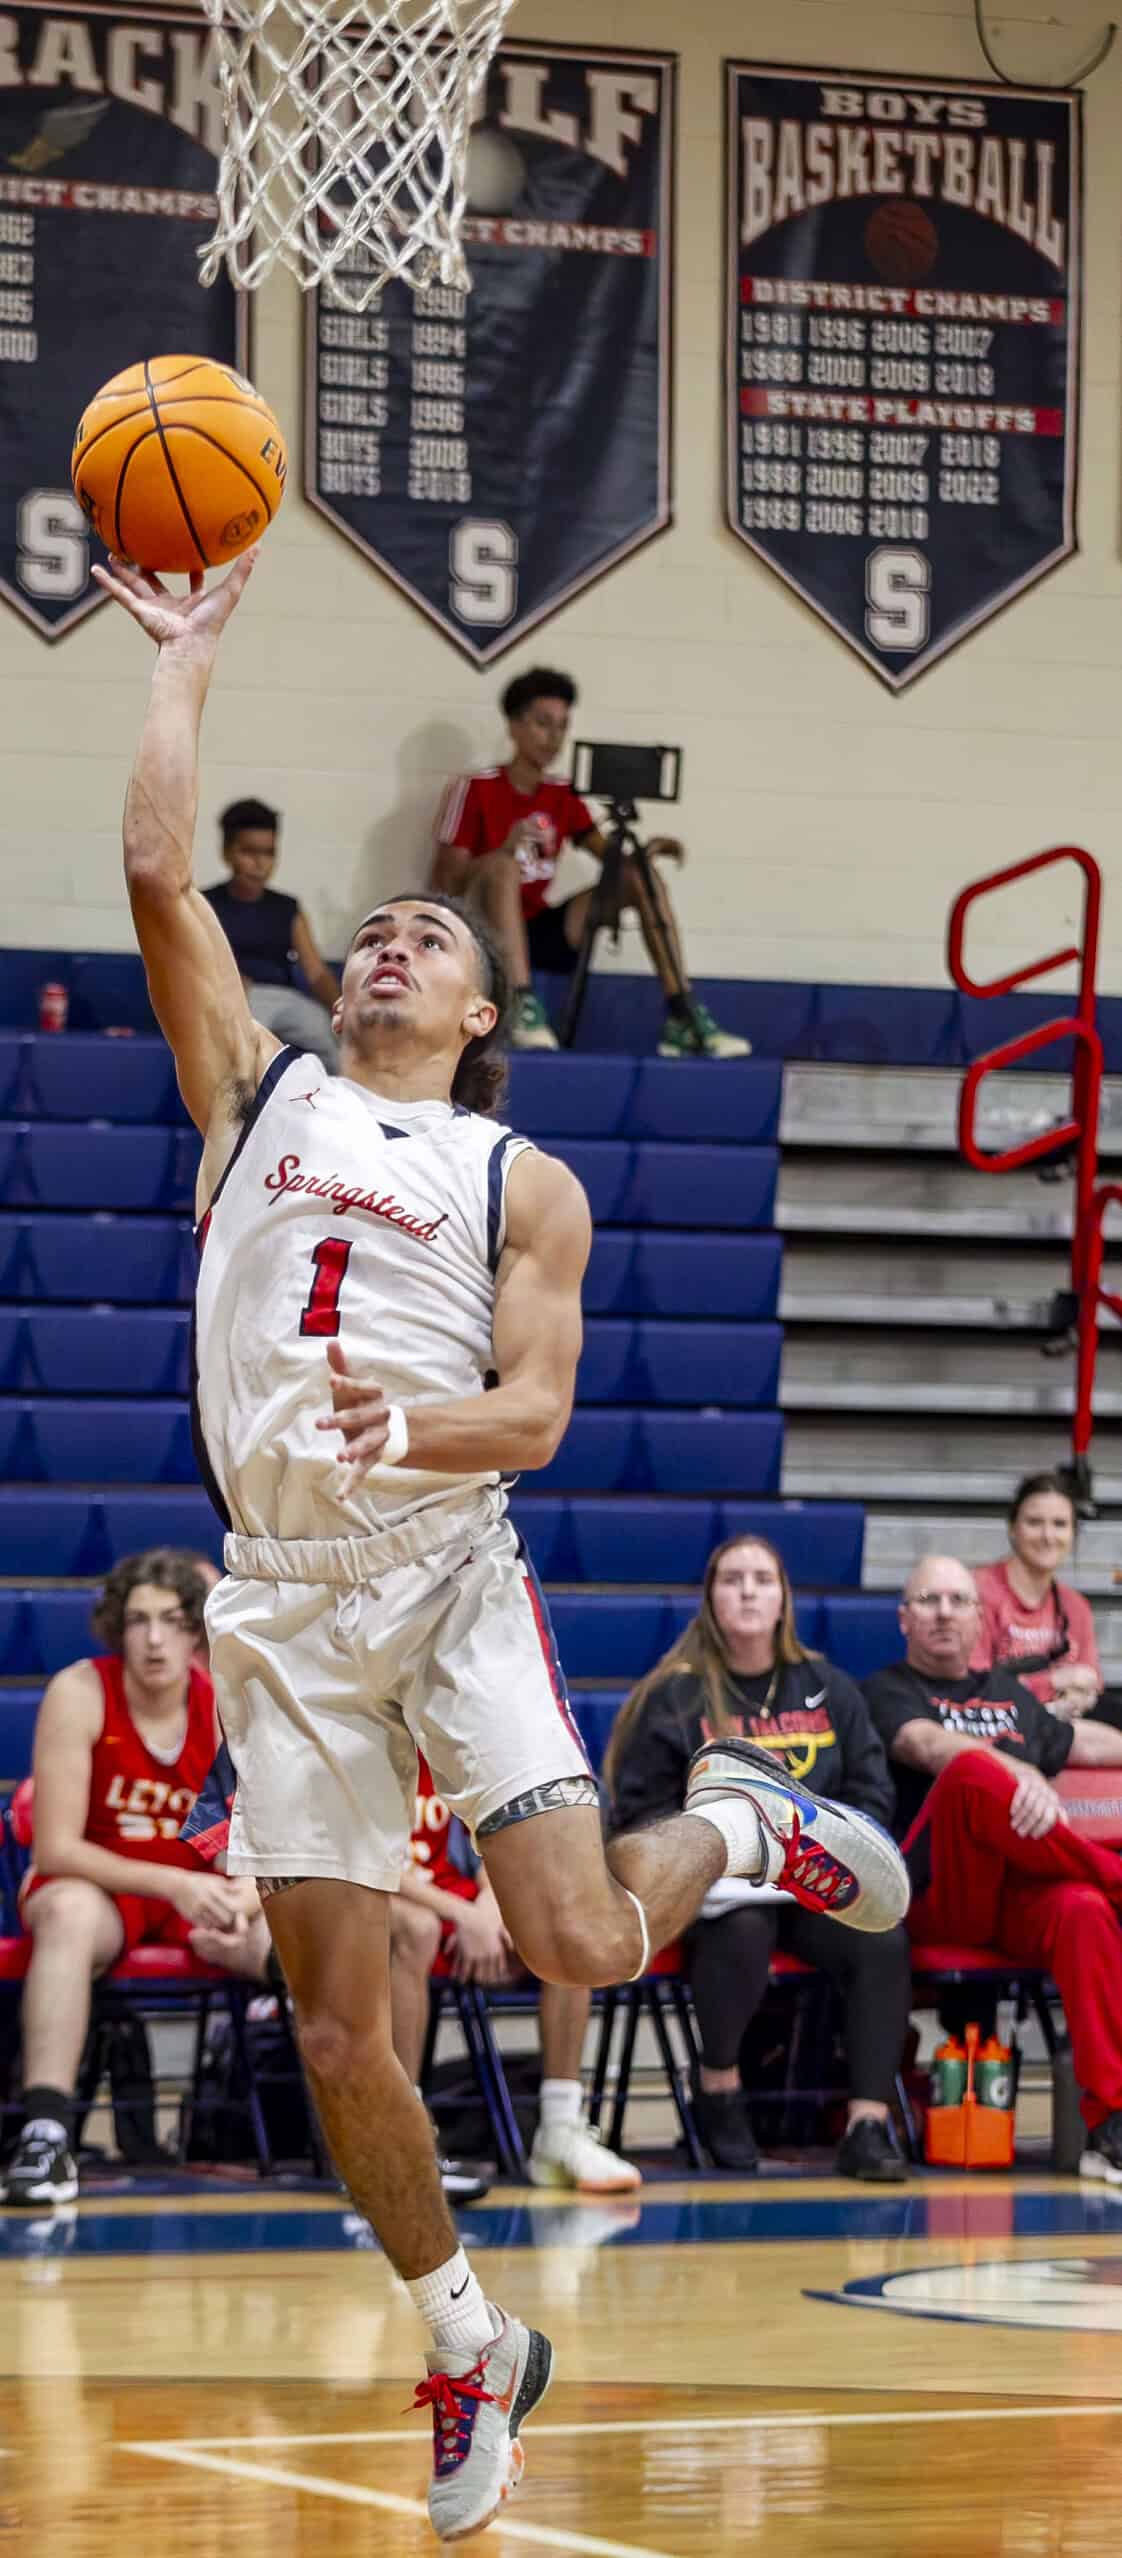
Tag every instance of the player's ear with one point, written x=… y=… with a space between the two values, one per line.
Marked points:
x=479 y=1018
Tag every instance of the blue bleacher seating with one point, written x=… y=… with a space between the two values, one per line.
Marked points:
x=628 y=1185
x=987 y=1021
x=863 y=1634
x=55 y=1534
x=70 y=1533
x=908 y=1026
x=687 y=1452
x=108 y=992
x=632 y=1539
x=18 y=1710
x=658 y=1363
x=11 y=1056
x=600 y=1635
x=86 y=1076
x=94 y=1349
x=133 y=1520
x=42 y=1630
x=633 y=1272
x=47 y=1256
x=878 y=1025
x=44 y=1441
x=51 y=1258
x=72 y=1165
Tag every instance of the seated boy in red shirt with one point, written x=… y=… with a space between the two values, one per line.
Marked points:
x=500 y=835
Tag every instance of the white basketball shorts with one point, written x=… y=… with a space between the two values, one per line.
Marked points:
x=335 y=1661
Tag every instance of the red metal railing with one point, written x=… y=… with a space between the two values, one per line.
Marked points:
x=1079 y=1132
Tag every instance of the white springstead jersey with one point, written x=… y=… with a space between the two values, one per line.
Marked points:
x=341 y=1216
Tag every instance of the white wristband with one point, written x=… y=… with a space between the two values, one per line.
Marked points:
x=397 y=1438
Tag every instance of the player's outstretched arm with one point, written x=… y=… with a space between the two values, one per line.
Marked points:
x=197 y=994
x=537 y=1343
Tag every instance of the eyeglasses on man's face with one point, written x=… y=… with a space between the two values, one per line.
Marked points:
x=928 y=1602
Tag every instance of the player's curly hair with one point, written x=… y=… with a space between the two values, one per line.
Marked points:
x=166 y=1568
x=480 y=1079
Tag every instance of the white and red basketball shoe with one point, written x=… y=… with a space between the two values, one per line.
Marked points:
x=478 y=2402
x=827 y=1857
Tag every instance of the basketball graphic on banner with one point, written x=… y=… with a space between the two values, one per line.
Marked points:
x=901 y=242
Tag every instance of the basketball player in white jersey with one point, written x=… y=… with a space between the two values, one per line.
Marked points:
x=388 y=1323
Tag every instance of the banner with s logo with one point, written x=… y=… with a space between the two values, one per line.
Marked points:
x=903 y=336
x=494 y=452
x=110 y=128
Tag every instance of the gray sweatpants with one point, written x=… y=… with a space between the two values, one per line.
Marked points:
x=297 y=1019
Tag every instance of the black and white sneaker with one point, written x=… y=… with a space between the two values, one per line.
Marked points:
x=42 y=2168
x=1102 y=2157
x=461 y=2184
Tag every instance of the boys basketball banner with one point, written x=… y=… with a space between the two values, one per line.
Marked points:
x=496 y=451
x=110 y=128
x=903 y=347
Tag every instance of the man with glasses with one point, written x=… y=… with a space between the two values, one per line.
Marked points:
x=123 y=1743
x=992 y=1858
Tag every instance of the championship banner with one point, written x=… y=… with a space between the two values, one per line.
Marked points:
x=903 y=347
x=110 y=128
x=496 y=451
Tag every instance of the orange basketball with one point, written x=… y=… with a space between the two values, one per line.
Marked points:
x=178 y=463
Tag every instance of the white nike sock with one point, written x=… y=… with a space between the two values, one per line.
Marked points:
x=454 y=2310
x=737 y=1822
x=561 y=2103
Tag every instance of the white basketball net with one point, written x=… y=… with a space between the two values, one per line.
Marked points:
x=347 y=125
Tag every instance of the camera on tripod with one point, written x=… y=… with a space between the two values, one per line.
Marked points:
x=624 y=775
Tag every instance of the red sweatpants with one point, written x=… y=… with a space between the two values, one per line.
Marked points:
x=1054 y=1902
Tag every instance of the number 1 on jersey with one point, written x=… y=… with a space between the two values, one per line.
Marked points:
x=321 y=1314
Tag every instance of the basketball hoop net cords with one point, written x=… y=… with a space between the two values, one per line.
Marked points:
x=347 y=125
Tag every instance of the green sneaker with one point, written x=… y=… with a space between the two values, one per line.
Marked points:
x=678 y=1037
x=530 y=1026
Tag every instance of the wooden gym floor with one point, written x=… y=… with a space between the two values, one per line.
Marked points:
x=791 y=2368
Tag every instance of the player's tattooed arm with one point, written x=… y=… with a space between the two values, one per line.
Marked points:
x=197 y=994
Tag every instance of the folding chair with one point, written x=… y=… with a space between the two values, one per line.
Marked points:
x=473 y=2013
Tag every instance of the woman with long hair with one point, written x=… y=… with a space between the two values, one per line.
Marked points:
x=1031 y=1620
x=740 y=1667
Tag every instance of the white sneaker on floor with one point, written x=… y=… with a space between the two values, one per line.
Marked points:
x=478 y=2402
x=573 y=2154
x=828 y=1858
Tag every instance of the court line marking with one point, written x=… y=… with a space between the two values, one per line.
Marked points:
x=582 y=2544
x=891 y=2415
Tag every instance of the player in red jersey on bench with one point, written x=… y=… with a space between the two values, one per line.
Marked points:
x=122 y=1746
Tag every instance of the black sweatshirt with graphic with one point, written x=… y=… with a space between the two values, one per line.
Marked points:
x=817 y=1724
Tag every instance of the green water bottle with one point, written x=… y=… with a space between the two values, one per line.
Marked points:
x=993 y=2075
x=948 y=2073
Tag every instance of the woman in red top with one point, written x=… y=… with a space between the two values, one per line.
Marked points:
x=123 y=1743
x=1037 y=1623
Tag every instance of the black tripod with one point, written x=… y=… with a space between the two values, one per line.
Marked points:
x=604 y=915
